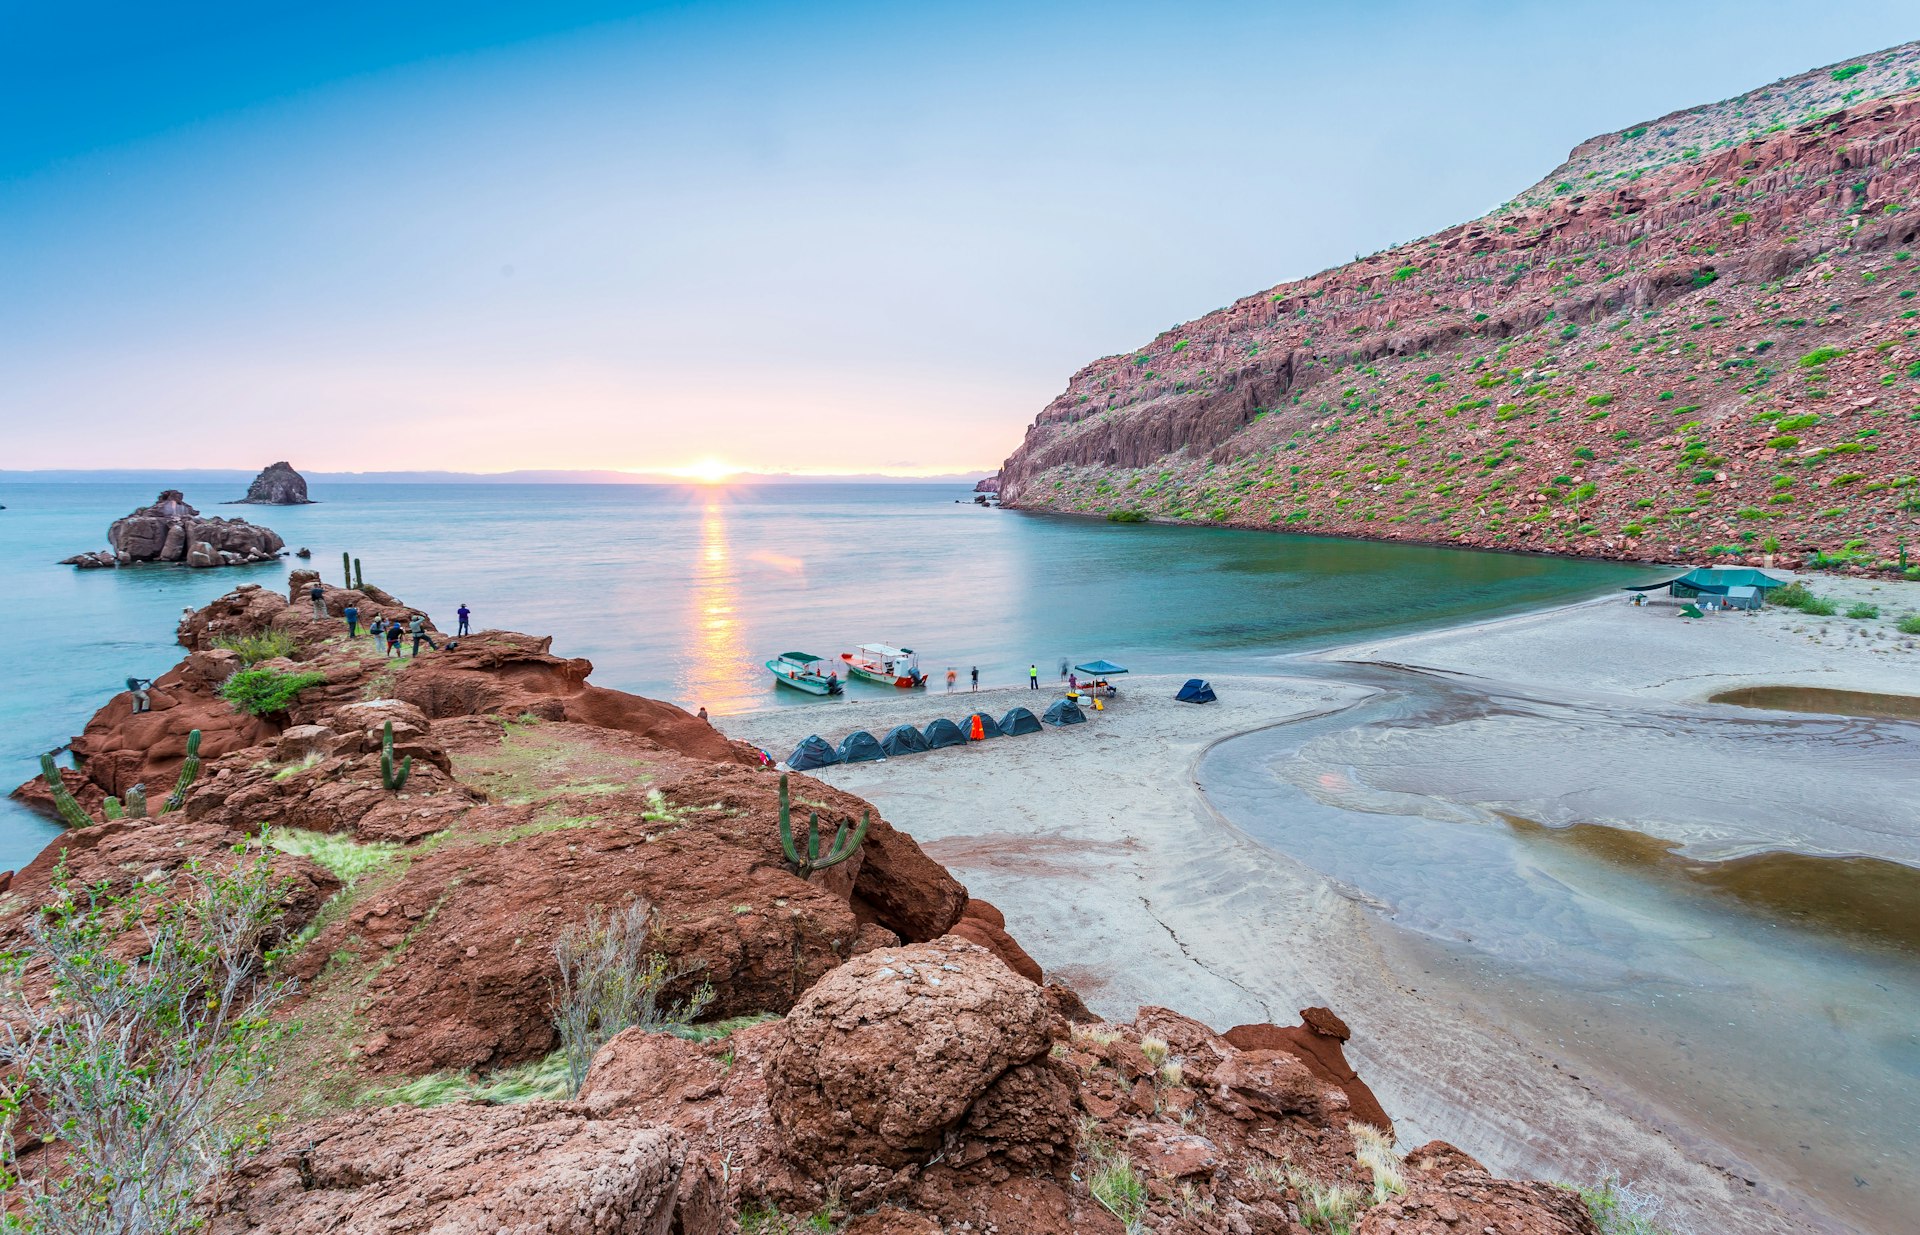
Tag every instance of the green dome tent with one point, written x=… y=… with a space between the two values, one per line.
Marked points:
x=903 y=740
x=1020 y=720
x=813 y=752
x=943 y=733
x=860 y=747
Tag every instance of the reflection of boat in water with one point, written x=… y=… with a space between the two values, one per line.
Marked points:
x=889 y=666
x=804 y=671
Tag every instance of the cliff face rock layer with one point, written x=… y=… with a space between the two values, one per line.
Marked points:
x=172 y=531
x=277 y=485
x=1697 y=336
x=901 y=1064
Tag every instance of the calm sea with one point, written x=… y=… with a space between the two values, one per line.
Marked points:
x=682 y=592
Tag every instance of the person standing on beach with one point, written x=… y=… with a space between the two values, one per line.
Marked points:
x=1033 y=677
x=318 y=595
x=393 y=639
x=418 y=629
x=976 y=677
x=352 y=614
x=463 y=613
x=951 y=677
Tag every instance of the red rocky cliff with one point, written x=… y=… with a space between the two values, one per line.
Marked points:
x=1699 y=336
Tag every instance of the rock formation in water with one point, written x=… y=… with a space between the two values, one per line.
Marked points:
x=277 y=485
x=905 y=1066
x=1696 y=337
x=172 y=531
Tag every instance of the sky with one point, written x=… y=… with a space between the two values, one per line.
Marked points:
x=800 y=237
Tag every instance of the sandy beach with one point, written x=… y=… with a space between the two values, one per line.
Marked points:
x=1118 y=874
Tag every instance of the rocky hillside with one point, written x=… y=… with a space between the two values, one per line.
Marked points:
x=1695 y=338
x=880 y=1056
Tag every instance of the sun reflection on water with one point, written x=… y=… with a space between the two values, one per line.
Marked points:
x=717 y=661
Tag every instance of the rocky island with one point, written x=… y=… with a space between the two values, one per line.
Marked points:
x=868 y=1050
x=172 y=531
x=277 y=485
x=1696 y=337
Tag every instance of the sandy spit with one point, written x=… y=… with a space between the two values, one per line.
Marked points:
x=1118 y=877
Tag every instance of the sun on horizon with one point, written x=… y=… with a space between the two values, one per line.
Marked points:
x=708 y=471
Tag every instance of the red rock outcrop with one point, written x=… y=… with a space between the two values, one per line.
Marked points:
x=1684 y=347
x=469 y=1170
x=172 y=531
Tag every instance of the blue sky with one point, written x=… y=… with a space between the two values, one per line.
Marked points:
x=845 y=237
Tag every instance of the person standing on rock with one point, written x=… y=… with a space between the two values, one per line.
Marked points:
x=318 y=595
x=393 y=639
x=418 y=629
x=352 y=614
x=463 y=613
x=138 y=688
x=377 y=628
x=703 y=713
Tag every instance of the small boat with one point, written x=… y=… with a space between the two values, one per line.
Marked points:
x=889 y=666
x=804 y=671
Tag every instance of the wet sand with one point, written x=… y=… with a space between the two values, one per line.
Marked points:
x=1120 y=875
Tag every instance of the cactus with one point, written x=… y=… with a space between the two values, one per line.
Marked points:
x=346 y=569
x=393 y=780
x=136 y=803
x=359 y=580
x=71 y=812
x=839 y=851
x=110 y=808
x=189 y=772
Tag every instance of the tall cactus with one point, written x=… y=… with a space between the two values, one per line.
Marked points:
x=189 y=772
x=136 y=803
x=359 y=580
x=839 y=851
x=71 y=812
x=110 y=808
x=392 y=779
x=346 y=569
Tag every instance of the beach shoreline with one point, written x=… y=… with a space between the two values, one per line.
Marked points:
x=1118 y=874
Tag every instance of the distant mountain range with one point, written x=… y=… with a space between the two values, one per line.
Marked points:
x=181 y=477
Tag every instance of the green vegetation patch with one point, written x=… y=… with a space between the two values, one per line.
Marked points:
x=266 y=692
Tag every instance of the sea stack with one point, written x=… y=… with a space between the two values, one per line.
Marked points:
x=276 y=485
x=172 y=531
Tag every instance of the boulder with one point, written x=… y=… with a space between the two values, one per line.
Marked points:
x=468 y=1169
x=277 y=485
x=883 y=1057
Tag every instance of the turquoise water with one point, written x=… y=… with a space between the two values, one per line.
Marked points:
x=682 y=592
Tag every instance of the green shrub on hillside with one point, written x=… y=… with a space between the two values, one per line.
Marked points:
x=252 y=649
x=264 y=692
x=1864 y=612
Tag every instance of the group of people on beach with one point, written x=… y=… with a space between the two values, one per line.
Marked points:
x=1033 y=676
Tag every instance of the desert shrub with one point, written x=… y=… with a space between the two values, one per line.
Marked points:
x=1620 y=1209
x=1375 y=1151
x=146 y=1065
x=1126 y=516
x=611 y=981
x=1792 y=596
x=1820 y=355
x=347 y=859
x=1863 y=612
x=1113 y=1181
x=538 y=1080
x=1819 y=606
x=264 y=692
x=267 y=645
